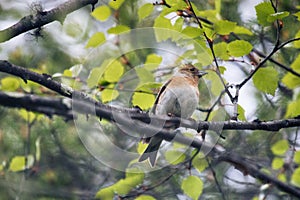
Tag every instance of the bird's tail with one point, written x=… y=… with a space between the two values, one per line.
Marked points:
x=151 y=151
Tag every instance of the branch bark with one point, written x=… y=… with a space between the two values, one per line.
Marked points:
x=139 y=121
x=109 y=112
x=42 y=18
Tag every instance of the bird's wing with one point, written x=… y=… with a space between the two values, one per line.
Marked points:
x=162 y=89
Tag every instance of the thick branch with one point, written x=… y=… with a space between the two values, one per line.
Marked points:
x=134 y=119
x=108 y=112
x=248 y=167
x=43 y=17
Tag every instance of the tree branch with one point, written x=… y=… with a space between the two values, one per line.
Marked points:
x=108 y=112
x=137 y=120
x=43 y=17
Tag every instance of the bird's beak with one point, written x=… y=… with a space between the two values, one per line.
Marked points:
x=201 y=73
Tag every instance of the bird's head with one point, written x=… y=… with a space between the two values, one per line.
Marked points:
x=191 y=71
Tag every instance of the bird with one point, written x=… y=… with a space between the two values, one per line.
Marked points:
x=179 y=97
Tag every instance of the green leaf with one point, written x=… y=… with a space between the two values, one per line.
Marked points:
x=297 y=157
x=142 y=100
x=290 y=80
x=266 y=80
x=134 y=176
x=108 y=95
x=199 y=162
x=27 y=115
x=144 y=75
x=96 y=40
x=276 y=16
x=145 y=10
x=162 y=28
x=296 y=177
x=141 y=147
x=224 y=27
x=297 y=43
x=143 y=97
x=94 y=76
x=18 y=163
x=263 y=11
x=215 y=84
x=281 y=177
x=10 y=84
x=242 y=30
x=118 y=29
x=174 y=157
x=297 y=14
x=192 y=32
x=192 y=186
x=239 y=48
x=101 y=13
x=67 y=73
x=105 y=193
x=145 y=197
x=293 y=109
x=152 y=61
x=113 y=71
x=277 y=163
x=241 y=113
x=221 y=50
x=280 y=147
x=116 y=4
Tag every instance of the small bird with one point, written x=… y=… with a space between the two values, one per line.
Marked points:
x=179 y=97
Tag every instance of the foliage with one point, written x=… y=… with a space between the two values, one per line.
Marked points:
x=127 y=49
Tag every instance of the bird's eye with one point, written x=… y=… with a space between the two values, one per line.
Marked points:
x=192 y=69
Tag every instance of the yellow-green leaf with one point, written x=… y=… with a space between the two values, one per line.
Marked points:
x=199 y=162
x=297 y=43
x=162 y=28
x=297 y=14
x=113 y=71
x=118 y=29
x=27 y=115
x=94 y=76
x=293 y=108
x=145 y=10
x=297 y=157
x=10 y=84
x=108 y=95
x=145 y=197
x=239 y=48
x=241 y=113
x=242 y=30
x=174 y=157
x=277 y=163
x=221 y=50
x=280 y=147
x=101 y=13
x=290 y=80
x=141 y=147
x=263 y=11
x=224 y=27
x=105 y=193
x=296 y=177
x=276 y=16
x=152 y=61
x=192 y=32
x=266 y=80
x=115 y=4
x=19 y=163
x=96 y=40
x=142 y=100
x=192 y=186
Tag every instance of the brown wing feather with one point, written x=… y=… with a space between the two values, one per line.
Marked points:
x=162 y=89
